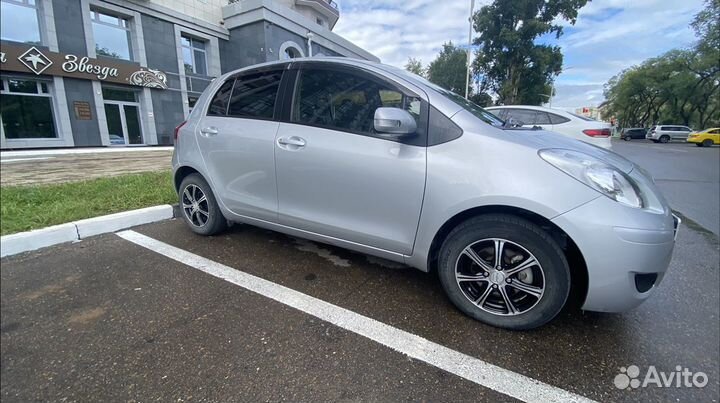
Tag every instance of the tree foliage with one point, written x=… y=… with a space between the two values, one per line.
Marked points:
x=509 y=61
x=449 y=69
x=681 y=86
x=415 y=66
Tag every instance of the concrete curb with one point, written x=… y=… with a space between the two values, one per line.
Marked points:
x=77 y=230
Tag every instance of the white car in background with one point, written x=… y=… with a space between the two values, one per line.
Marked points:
x=556 y=120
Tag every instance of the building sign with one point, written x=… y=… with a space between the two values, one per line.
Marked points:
x=29 y=59
x=82 y=110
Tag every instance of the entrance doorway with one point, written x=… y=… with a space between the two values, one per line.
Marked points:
x=122 y=112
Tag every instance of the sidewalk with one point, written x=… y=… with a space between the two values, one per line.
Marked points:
x=27 y=167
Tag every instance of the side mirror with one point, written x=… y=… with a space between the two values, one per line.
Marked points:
x=394 y=122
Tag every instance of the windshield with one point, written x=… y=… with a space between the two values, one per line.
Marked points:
x=469 y=106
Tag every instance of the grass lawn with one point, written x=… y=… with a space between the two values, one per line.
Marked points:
x=23 y=208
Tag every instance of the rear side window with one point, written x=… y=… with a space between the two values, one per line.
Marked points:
x=523 y=116
x=254 y=95
x=219 y=104
x=542 y=118
x=557 y=119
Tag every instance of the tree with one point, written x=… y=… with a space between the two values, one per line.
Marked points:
x=449 y=69
x=415 y=66
x=707 y=25
x=509 y=61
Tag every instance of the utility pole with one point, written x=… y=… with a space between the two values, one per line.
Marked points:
x=469 y=49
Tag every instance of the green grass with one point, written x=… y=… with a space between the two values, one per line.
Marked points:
x=24 y=208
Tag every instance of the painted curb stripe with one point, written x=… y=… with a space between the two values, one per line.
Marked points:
x=473 y=369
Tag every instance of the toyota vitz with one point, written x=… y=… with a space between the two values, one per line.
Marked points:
x=377 y=160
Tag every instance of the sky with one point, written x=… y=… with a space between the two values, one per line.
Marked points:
x=609 y=36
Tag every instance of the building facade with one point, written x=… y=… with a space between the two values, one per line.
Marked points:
x=77 y=73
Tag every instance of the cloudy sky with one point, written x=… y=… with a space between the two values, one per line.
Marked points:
x=609 y=36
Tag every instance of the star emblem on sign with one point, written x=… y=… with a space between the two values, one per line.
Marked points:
x=35 y=60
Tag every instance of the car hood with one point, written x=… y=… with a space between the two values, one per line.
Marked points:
x=542 y=139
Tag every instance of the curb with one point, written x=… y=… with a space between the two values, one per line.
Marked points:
x=81 y=229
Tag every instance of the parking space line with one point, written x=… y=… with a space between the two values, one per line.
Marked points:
x=473 y=369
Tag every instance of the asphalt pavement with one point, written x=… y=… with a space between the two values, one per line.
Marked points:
x=107 y=319
x=689 y=176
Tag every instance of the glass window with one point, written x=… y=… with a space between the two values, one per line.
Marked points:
x=585 y=118
x=219 y=104
x=117 y=94
x=19 y=21
x=194 y=55
x=112 y=36
x=557 y=119
x=254 y=95
x=500 y=113
x=523 y=116
x=345 y=101
x=542 y=118
x=25 y=110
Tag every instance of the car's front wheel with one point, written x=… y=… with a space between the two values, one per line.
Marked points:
x=504 y=271
x=627 y=138
x=707 y=143
x=199 y=206
x=664 y=139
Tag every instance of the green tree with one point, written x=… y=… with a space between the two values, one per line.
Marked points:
x=707 y=25
x=415 y=66
x=449 y=69
x=509 y=61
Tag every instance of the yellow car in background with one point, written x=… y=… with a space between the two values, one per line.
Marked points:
x=705 y=138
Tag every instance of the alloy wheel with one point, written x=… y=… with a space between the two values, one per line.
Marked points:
x=195 y=205
x=500 y=276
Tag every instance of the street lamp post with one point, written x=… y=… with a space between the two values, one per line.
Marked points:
x=469 y=49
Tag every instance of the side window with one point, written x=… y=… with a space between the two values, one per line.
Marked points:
x=716 y=131
x=219 y=104
x=254 y=95
x=345 y=101
x=524 y=116
x=542 y=118
x=500 y=113
x=557 y=119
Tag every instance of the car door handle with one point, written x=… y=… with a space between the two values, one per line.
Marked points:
x=292 y=142
x=209 y=131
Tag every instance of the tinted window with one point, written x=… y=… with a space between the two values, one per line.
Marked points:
x=218 y=106
x=523 y=116
x=542 y=118
x=716 y=131
x=346 y=101
x=254 y=95
x=585 y=118
x=557 y=119
x=498 y=112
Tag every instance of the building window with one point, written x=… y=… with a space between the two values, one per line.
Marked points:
x=290 y=50
x=320 y=22
x=26 y=109
x=112 y=35
x=19 y=21
x=194 y=55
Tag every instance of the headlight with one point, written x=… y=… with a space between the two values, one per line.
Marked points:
x=600 y=176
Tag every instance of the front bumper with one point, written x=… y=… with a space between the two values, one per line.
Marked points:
x=626 y=251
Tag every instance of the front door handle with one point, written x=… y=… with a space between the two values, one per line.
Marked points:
x=292 y=142
x=209 y=131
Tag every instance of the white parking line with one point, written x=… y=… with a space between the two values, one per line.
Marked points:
x=473 y=369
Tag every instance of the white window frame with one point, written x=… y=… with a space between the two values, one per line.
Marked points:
x=5 y=90
x=124 y=23
x=193 y=50
x=285 y=46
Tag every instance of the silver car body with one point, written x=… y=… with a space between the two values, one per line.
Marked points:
x=672 y=132
x=394 y=200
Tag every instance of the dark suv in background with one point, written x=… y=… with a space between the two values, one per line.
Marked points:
x=634 y=133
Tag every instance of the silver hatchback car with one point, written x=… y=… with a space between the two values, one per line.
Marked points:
x=377 y=160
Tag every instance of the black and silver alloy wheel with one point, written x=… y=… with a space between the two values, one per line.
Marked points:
x=504 y=270
x=500 y=276
x=200 y=208
x=195 y=205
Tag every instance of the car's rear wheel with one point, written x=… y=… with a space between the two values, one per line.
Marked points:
x=504 y=271
x=707 y=143
x=664 y=139
x=199 y=206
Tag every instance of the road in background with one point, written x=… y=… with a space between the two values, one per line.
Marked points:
x=688 y=176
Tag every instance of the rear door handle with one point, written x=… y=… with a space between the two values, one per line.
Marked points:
x=292 y=142
x=209 y=131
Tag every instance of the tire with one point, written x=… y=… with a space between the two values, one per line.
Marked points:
x=627 y=138
x=204 y=224
x=524 y=239
x=707 y=143
x=664 y=139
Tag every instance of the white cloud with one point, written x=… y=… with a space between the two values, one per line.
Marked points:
x=608 y=37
